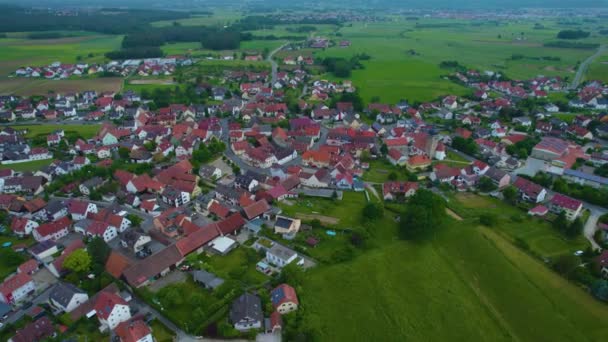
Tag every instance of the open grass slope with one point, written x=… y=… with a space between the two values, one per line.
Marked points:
x=598 y=70
x=86 y=131
x=466 y=283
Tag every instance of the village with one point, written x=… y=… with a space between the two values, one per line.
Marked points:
x=162 y=196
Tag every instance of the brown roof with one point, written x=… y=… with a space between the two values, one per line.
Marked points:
x=256 y=209
x=231 y=223
x=116 y=264
x=152 y=265
x=197 y=239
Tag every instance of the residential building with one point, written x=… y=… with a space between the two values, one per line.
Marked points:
x=246 y=312
x=67 y=297
x=284 y=299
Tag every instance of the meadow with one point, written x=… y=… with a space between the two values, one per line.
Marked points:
x=86 y=131
x=406 y=54
x=598 y=70
x=467 y=283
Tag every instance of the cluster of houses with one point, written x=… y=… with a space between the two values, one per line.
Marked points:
x=142 y=67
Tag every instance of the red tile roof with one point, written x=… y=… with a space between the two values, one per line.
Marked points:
x=28 y=266
x=116 y=264
x=256 y=209
x=231 y=224
x=197 y=239
x=54 y=227
x=106 y=302
x=13 y=283
x=566 y=202
x=132 y=331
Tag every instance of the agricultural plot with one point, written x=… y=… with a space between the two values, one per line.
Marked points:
x=405 y=55
x=86 y=131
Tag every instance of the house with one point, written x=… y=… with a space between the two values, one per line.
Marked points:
x=80 y=209
x=246 y=312
x=43 y=250
x=154 y=266
x=67 y=297
x=38 y=330
x=583 y=178
x=116 y=264
x=28 y=267
x=287 y=226
x=135 y=330
x=499 y=177
x=570 y=206
x=394 y=190
x=55 y=210
x=206 y=279
x=529 y=191
x=52 y=230
x=23 y=226
x=134 y=240
x=88 y=186
x=284 y=299
x=396 y=158
x=111 y=310
x=256 y=209
x=210 y=172
x=280 y=256
x=418 y=162
x=16 y=288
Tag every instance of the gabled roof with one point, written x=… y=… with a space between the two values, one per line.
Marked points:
x=132 y=330
x=231 y=224
x=106 y=302
x=283 y=294
x=13 y=283
x=197 y=239
x=116 y=264
x=256 y=209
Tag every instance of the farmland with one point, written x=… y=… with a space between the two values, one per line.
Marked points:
x=464 y=271
x=86 y=131
x=405 y=54
x=27 y=166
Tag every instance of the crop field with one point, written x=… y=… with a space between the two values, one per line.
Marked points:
x=220 y=17
x=90 y=48
x=86 y=131
x=405 y=55
x=598 y=70
x=420 y=288
x=28 y=87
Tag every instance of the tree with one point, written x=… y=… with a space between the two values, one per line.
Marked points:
x=486 y=185
x=561 y=222
x=510 y=194
x=599 y=289
x=79 y=261
x=135 y=220
x=575 y=228
x=488 y=220
x=468 y=146
x=372 y=211
x=99 y=250
x=565 y=264
x=384 y=149
x=123 y=152
x=424 y=214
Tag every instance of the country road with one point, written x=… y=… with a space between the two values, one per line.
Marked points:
x=591 y=227
x=274 y=64
x=580 y=73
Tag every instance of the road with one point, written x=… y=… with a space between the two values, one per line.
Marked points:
x=580 y=73
x=43 y=297
x=591 y=227
x=273 y=64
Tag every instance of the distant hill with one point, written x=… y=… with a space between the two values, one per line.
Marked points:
x=381 y=4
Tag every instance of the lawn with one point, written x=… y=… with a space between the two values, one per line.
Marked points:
x=598 y=70
x=380 y=169
x=160 y=332
x=515 y=223
x=86 y=131
x=27 y=166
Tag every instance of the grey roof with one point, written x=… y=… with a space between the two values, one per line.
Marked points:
x=282 y=252
x=247 y=307
x=283 y=222
x=209 y=279
x=495 y=174
x=42 y=246
x=4 y=309
x=62 y=293
x=586 y=176
x=54 y=206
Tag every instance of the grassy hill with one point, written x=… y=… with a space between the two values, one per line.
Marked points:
x=467 y=283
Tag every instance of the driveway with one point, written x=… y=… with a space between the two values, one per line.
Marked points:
x=591 y=227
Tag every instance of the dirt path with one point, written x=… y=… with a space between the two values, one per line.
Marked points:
x=373 y=190
x=322 y=218
x=451 y=213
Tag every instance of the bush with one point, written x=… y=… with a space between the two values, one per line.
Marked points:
x=521 y=243
x=488 y=220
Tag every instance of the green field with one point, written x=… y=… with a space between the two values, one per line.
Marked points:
x=405 y=54
x=413 y=291
x=27 y=166
x=86 y=131
x=598 y=70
